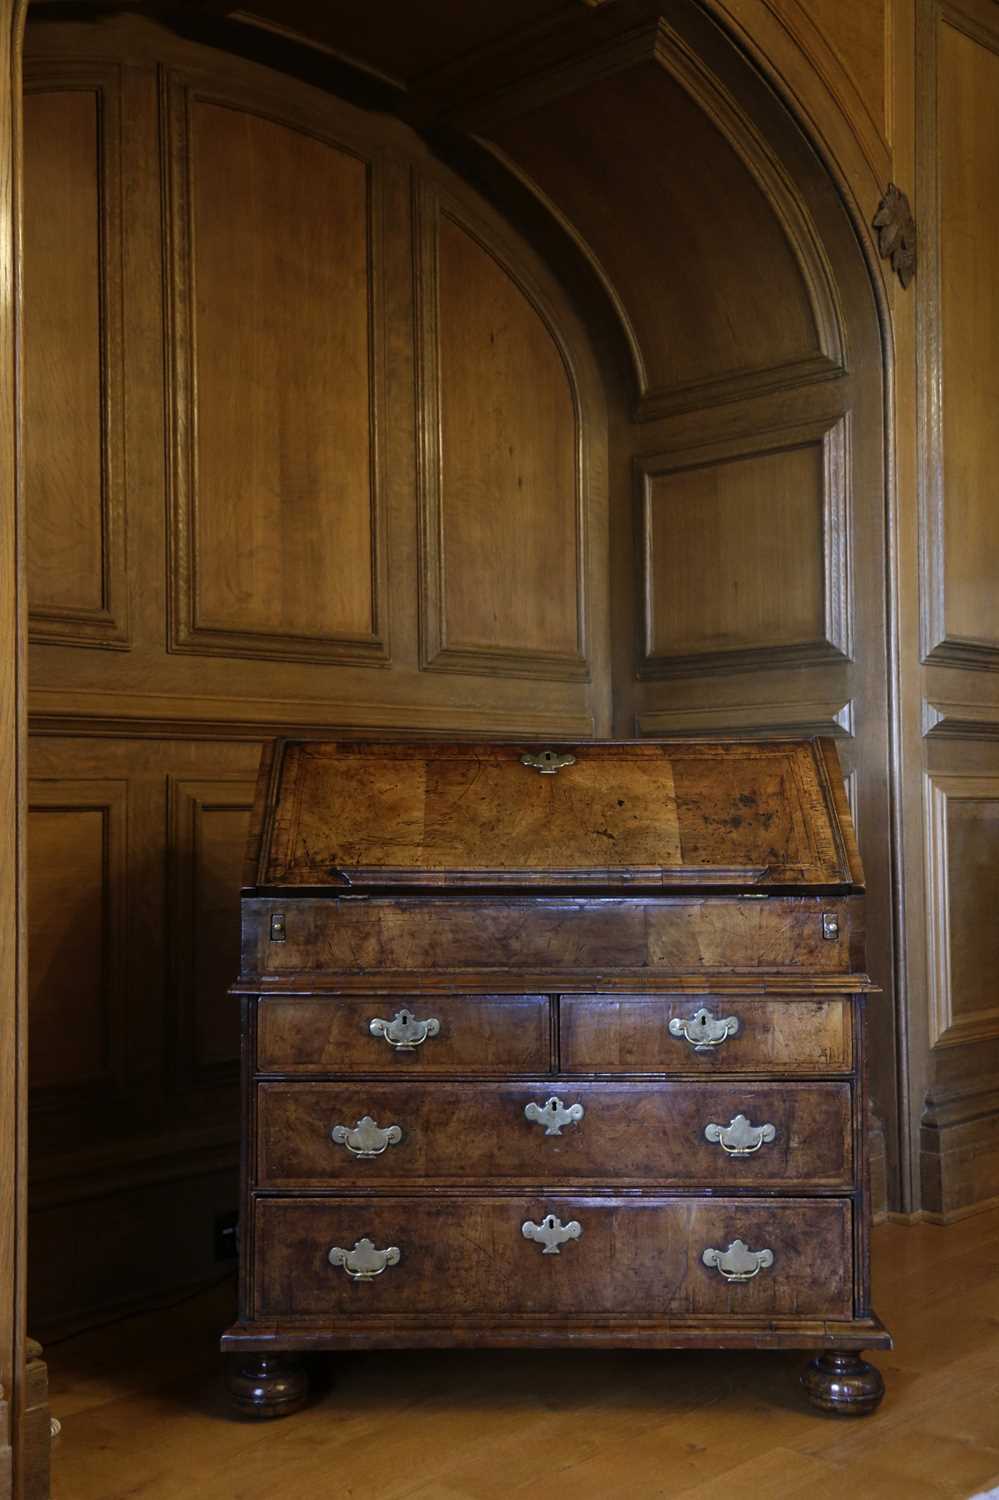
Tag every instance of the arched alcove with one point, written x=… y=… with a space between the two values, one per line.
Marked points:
x=573 y=336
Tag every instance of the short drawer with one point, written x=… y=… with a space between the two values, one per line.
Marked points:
x=569 y=1255
x=704 y=1034
x=428 y=1034
x=710 y=1134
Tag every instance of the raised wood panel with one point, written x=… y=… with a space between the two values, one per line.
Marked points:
x=704 y=322
x=275 y=328
x=209 y=821
x=501 y=473
x=73 y=398
x=76 y=932
x=960 y=336
x=962 y=817
x=719 y=526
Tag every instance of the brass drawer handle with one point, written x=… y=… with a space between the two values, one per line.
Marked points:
x=553 y=1114
x=364 y=1262
x=404 y=1032
x=366 y=1139
x=738 y=1262
x=551 y=1233
x=548 y=762
x=703 y=1030
x=739 y=1138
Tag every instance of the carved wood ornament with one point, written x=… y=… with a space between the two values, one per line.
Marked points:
x=896 y=233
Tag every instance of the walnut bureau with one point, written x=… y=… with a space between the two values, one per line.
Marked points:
x=553 y=1046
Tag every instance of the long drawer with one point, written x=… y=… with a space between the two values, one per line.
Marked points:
x=399 y=1256
x=704 y=1034
x=656 y=936
x=711 y=1134
x=428 y=1034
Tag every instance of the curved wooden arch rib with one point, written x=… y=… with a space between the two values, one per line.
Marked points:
x=817 y=86
x=584 y=249
x=662 y=44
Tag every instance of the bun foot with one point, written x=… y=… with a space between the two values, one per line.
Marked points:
x=267 y=1385
x=843 y=1384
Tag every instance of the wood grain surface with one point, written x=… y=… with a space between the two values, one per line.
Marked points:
x=141 y=1405
x=630 y=1034
x=477 y=1132
x=649 y=937
x=736 y=814
x=467 y=1256
x=478 y=1034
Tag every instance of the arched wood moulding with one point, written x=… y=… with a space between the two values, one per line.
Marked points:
x=662 y=45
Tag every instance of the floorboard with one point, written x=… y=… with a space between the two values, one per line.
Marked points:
x=144 y=1416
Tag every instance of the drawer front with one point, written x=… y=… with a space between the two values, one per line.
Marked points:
x=587 y=1256
x=419 y=1034
x=652 y=935
x=704 y=1034
x=759 y=1134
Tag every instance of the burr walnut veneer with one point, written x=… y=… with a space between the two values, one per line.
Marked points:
x=556 y=1047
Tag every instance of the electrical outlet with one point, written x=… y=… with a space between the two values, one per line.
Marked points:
x=227 y=1235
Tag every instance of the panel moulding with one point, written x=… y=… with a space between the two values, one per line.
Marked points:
x=965 y=721
x=946 y=1027
x=660 y=44
x=107 y=626
x=186 y=634
x=437 y=653
x=836 y=643
x=751 y=720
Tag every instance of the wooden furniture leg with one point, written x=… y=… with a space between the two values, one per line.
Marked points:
x=843 y=1384
x=267 y=1385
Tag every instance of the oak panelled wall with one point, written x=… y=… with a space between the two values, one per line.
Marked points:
x=254 y=308
x=78 y=863
x=208 y=826
x=323 y=436
x=963 y=563
x=955 y=1024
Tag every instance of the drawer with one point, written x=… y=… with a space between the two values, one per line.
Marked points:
x=704 y=1034
x=470 y=1257
x=649 y=935
x=794 y=1135
x=462 y=1034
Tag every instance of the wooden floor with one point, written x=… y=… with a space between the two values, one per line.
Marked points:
x=144 y=1417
